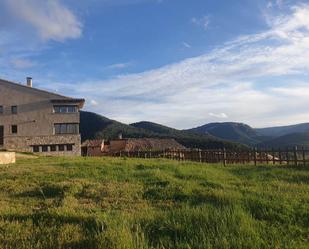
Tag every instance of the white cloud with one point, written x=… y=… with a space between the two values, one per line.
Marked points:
x=203 y=21
x=221 y=115
x=186 y=45
x=237 y=78
x=119 y=65
x=275 y=3
x=50 y=18
x=20 y=63
x=93 y=103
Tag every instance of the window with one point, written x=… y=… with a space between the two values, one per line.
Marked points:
x=1 y=109
x=53 y=148
x=44 y=148
x=65 y=109
x=14 y=109
x=72 y=109
x=36 y=148
x=61 y=147
x=69 y=147
x=14 y=129
x=66 y=128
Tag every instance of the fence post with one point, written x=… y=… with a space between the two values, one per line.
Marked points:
x=304 y=156
x=254 y=151
x=295 y=156
x=224 y=157
x=273 y=154
x=200 y=155
x=280 y=156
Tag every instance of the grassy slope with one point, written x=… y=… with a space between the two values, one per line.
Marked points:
x=134 y=203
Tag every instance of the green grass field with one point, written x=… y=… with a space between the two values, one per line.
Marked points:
x=134 y=203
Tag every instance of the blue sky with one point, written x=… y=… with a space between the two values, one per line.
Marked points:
x=181 y=63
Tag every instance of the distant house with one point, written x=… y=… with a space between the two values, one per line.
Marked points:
x=33 y=120
x=101 y=147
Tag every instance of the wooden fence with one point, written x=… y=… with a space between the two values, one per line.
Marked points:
x=293 y=156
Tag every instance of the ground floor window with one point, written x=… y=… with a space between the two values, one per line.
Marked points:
x=44 y=148
x=52 y=148
x=69 y=147
x=36 y=148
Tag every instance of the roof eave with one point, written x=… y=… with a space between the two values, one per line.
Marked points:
x=80 y=102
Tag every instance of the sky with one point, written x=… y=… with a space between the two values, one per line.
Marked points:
x=181 y=63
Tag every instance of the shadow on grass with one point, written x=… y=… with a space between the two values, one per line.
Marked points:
x=91 y=225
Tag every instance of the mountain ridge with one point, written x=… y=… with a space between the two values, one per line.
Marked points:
x=208 y=136
x=94 y=126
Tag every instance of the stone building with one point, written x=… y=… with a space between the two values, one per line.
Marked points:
x=33 y=120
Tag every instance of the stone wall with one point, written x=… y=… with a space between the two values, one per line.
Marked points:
x=25 y=144
x=7 y=157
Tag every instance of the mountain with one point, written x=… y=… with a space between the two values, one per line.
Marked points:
x=299 y=139
x=187 y=138
x=93 y=125
x=96 y=126
x=283 y=130
x=236 y=132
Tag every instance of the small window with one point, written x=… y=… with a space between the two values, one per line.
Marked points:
x=1 y=109
x=72 y=109
x=53 y=148
x=56 y=109
x=44 y=148
x=14 y=109
x=14 y=129
x=69 y=147
x=63 y=109
x=57 y=129
x=36 y=148
x=61 y=147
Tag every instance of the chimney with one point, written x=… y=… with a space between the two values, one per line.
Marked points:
x=29 y=81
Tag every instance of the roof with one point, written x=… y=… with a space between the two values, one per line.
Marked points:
x=57 y=98
x=69 y=101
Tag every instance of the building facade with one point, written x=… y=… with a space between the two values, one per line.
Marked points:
x=33 y=120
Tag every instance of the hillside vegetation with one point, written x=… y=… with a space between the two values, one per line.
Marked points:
x=106 y=203
x=272 y=137
x=300 y=139
x=96 y=126
x=283 y=130
x=236 y=132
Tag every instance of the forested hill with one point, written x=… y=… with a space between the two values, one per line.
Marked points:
x=97 y=126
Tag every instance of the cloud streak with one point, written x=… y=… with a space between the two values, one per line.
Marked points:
x=49 y=18
x=236 y=78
